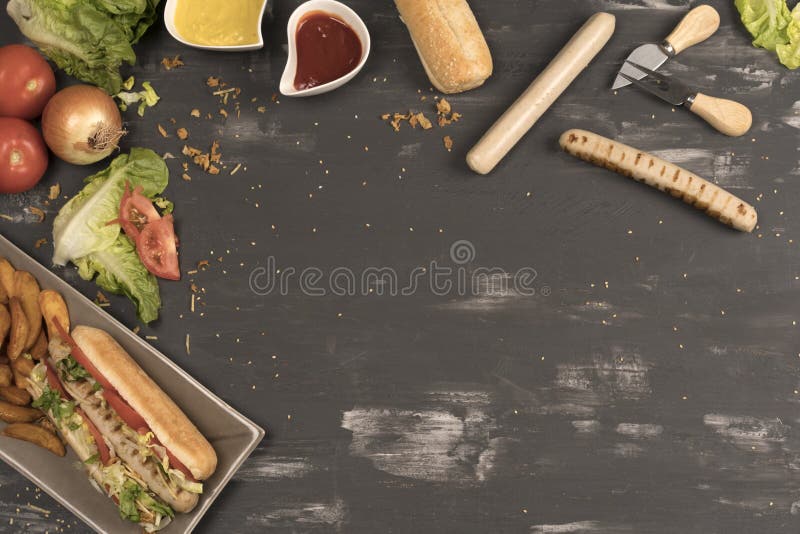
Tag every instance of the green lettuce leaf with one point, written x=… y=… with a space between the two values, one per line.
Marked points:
x=766 y=20
x=789 y=53
x=89 y=39
x=120 y=271
x=82 y=224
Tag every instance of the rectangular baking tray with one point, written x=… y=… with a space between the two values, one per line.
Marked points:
x=232 y=435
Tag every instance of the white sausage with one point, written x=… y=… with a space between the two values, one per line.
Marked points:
x=540 y=95
x=662 y=175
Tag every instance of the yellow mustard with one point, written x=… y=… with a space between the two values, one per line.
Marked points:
x=218 y=22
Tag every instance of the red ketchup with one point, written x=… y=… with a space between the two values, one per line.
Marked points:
x=327 y=49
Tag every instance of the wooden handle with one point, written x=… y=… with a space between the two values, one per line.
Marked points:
x=727 y=116
x=698 y=25
x=540 y=95
x=662 y=175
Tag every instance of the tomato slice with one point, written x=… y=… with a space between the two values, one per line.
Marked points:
x=124 y=410
x=173 y=462
x=102 y=447
x=135 y=211
x=54 y=382
x=157 y=248
x=81 y=358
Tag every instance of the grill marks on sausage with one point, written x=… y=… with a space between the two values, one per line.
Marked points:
x=589 y=154
x=110 y=426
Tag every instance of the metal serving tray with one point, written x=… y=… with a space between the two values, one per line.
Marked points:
x=232 y=435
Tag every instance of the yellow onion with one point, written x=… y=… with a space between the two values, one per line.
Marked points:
x=81 y=124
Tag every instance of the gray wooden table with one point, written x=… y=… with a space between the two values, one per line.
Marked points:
x=650 y=382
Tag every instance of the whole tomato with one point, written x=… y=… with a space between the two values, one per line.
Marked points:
x=26 y=82
x=23 y=155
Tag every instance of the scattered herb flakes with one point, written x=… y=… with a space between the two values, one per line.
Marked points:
x=186 y=177
x=55 y=191
x=101 y=298
x=212 y=81
x=162 y=131
x=448 y=142
x=6 y=217
x=236 y=169
x=443 y=107
x=188 y=348
x=202 y=265
x=223 y=112
x=193 y=287
x=36 y=212
x=195 y=113
x=40 y=242
x=136 y=329
x=170 y=63
x=182 y=133
x=261 y=109
x=213 y=169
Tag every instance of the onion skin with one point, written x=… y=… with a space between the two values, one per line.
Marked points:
x=82 y=124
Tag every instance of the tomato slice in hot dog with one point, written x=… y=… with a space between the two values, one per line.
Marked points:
x=81 y=358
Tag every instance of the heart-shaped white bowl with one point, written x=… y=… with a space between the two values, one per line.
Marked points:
x=350 y=18
x=169 y=22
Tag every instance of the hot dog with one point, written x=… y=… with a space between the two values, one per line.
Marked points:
x=136 y=444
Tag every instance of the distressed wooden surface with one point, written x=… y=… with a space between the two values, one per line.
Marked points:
x=650 y=384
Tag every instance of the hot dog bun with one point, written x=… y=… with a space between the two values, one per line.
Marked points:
x=449 y=42
x=169 y=424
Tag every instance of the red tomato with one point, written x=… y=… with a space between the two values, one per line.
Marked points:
x=81 y=358
x=135 y=211
x=124 y=410
x=26 y=82
x=54 y=382
x=157 y=249
x=102 y=446
x=23 y=155
x=173 y=462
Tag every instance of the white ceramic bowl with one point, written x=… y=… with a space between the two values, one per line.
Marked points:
x=169 y=22
x=334 y=8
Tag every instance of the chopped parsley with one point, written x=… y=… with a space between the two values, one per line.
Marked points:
x=71 y=370
x=50 y=400
x=127 y=501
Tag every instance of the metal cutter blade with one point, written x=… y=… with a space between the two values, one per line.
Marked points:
x=650 y=55
x=666 y=88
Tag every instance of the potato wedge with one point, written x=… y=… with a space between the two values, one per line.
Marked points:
x=7 y=277
x=39 y=349
x=5 y=322
x=15 y=395
x=23 y=365
x=6 y=375
x=3 y=295
x=19 y=329
x=47 y=424
x=36 y=434
x=53 y=308
x=11 y=413
x=26 y=288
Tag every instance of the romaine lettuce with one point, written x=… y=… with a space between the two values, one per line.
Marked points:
x=773 y=27
x=81 y=226
x=82 y=233
x=89 y=39
x=120 y=271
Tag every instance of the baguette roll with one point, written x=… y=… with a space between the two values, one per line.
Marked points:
x=449 y=42
x=169 y=424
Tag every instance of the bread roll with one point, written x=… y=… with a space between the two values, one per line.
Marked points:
x=169 y=424
x=449 y=42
